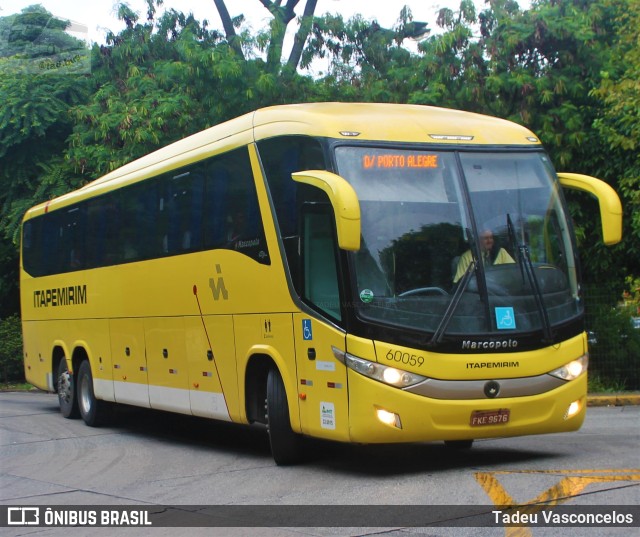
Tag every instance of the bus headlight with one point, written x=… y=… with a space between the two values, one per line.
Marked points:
x=387 y=375
x=573 y=369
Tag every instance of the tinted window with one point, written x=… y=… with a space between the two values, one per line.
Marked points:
x=208 y=205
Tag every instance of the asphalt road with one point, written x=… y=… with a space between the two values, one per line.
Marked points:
x=154 y=459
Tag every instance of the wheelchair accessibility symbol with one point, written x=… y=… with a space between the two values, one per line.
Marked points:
x=307 y=334
x=505 y=318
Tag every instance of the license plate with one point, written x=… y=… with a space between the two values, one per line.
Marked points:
x=480 y=418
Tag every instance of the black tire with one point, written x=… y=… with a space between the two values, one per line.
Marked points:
x=286 y=446
x=93 y=411
x=65 y=386
x=458 y=445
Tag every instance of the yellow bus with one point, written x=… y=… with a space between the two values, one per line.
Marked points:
x=365 y=273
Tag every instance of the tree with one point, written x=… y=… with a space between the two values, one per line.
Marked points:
x=367 y=62
x=618 y=123
x=34 y=125
x=153 y=83
x=274 y=40
x=11 y=366
x=158 y=81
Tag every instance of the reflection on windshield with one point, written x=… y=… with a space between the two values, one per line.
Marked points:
x=424 y=223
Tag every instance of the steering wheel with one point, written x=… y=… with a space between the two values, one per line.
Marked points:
x=424 y=291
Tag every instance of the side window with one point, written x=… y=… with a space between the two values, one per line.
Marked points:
x=183 y=207
x=32 y=246
x=232 y=218
x=138 y=222
x=72 y=244
x=320 y=273
x=102 y=231
x=28 y=247
x=281 y=157
x=52 y=243
x=211 y=204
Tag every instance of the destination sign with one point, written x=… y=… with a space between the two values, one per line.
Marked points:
x=395 y=160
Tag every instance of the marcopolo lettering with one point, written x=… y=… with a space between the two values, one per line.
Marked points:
x=60 y=296
x=489 y=345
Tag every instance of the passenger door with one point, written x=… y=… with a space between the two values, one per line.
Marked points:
x=322 y=379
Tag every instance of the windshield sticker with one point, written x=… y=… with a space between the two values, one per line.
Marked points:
x=505 y=319
x=366 y=295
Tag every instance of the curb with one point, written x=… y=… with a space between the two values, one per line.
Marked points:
x=613 y=399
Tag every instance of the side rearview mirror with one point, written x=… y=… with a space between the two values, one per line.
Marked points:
x=344 y=201
x=608 y=200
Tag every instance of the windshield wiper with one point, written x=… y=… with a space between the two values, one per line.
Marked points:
x=526 y=267
x=455 y=299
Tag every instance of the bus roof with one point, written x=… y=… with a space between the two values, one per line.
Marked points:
x=389 y=122
x=354 y=121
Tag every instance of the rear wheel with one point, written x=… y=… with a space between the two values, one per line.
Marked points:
x=93 y=411
x=286 y=446
x=66 y=391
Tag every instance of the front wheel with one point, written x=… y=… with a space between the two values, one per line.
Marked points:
x=93 y=411
x=458 y=445
x=66 y=391
x=286 y=446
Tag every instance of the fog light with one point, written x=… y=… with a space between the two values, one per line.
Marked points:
x=389 y=418
x=573 y=409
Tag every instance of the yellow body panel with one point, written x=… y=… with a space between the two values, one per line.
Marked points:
x=267 y=336
x=130 y=371
x=212 y=370
x=424 y=419
x=322 y=379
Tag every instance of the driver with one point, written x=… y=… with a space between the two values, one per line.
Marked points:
x=490 y=254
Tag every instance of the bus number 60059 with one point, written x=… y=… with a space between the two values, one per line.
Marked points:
x=405 y=358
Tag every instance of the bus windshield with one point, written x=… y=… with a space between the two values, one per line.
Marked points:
x=460 y=242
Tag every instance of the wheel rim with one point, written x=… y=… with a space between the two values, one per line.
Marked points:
x=85 y=396
x=64 y=386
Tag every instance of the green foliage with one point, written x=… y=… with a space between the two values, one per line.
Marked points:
x=149 y=90
x=34 y=118
x=11 y=368
x=598 y=384
x=615 y=356
x=34 y=33
x=618 y=124
x=160 y=81
x=34 y=126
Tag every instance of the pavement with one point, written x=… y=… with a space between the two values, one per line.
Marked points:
x=613 y=399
